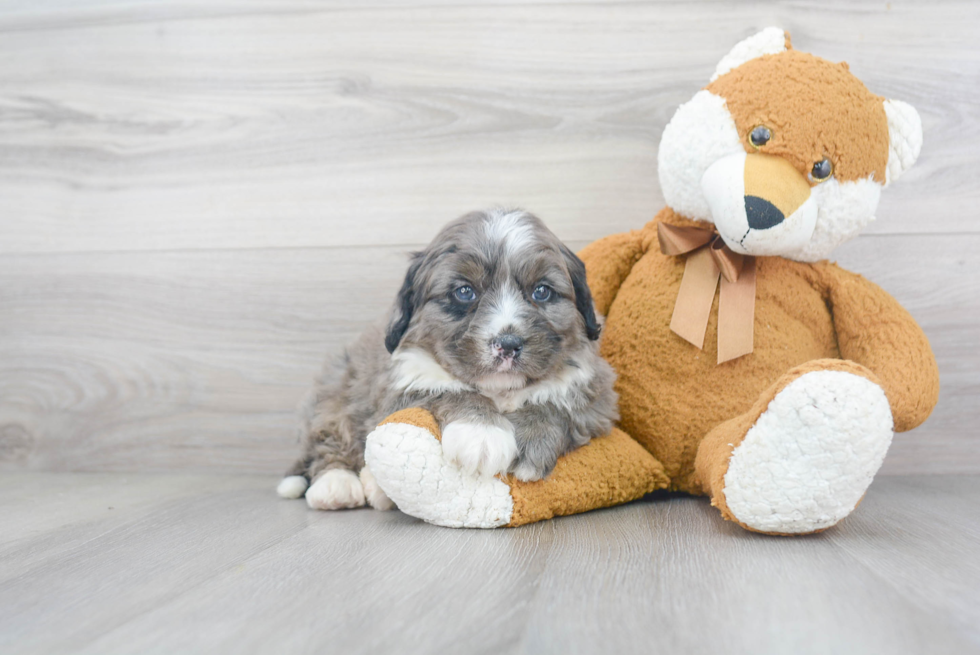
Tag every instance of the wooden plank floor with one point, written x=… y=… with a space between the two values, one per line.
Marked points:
x=116 y=563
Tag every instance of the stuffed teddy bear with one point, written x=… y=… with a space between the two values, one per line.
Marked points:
x=750 y=369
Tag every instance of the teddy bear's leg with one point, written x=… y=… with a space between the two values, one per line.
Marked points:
x=406 y=459
x=802 y=458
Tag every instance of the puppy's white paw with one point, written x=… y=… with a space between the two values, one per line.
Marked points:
x=476 y=448
x=376 y=498
x=336 y=489
x=292 y=486
x=526 y=472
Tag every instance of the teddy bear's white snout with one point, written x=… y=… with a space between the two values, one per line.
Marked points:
x=760 y=204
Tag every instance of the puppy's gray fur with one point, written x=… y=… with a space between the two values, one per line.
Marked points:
x=442 y=350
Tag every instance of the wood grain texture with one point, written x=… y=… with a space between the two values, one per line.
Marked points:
x=191 y=361
x=186 y=125
x=201 y=200
x=228 y=567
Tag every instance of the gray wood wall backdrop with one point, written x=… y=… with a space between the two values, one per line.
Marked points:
x=200 y=199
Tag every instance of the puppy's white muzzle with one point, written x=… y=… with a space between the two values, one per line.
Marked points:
x=760 y=204
x=504 y=349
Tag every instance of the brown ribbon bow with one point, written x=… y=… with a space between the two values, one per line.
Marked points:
x=708 y=258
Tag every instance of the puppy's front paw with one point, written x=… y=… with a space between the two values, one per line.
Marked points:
x=528 y=472
x=475 y=448
x=336 y=489
x=292 y=486
x=376 y=498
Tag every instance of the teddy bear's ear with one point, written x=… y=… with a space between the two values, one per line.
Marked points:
x=769 y=41
x=904 y=138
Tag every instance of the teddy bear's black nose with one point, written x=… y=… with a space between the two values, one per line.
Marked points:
x=761 y=213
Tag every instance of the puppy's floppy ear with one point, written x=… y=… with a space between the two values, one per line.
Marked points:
x=401 y=314
x=583 y=295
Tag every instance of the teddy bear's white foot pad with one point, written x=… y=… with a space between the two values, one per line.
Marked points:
x=811 y=455
x=408 y=464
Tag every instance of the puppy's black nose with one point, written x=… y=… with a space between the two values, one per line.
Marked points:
x=761 y=213
x=510 y=345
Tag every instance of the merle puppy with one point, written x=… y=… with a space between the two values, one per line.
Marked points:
x=494 y=332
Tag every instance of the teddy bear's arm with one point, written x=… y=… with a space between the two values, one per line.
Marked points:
x=608 y=262
x=877 y=332
x=406 y=459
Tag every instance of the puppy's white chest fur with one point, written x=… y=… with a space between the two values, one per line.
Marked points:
x=558 y=390
x=509 y=402
x=416 y=370
x=413 y=369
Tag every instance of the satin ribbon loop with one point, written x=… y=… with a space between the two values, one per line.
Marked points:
x=729 y=263
x=682 y=240
x=708 y=260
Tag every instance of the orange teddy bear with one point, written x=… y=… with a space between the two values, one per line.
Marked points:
x=750 y=369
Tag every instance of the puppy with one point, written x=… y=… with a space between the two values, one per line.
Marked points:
x=494 y=332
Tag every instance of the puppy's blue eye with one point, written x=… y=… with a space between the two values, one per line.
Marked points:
x=465 y=294
x=541 y=293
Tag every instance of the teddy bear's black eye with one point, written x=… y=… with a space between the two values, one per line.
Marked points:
x=822 y=169
x=760 y=136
